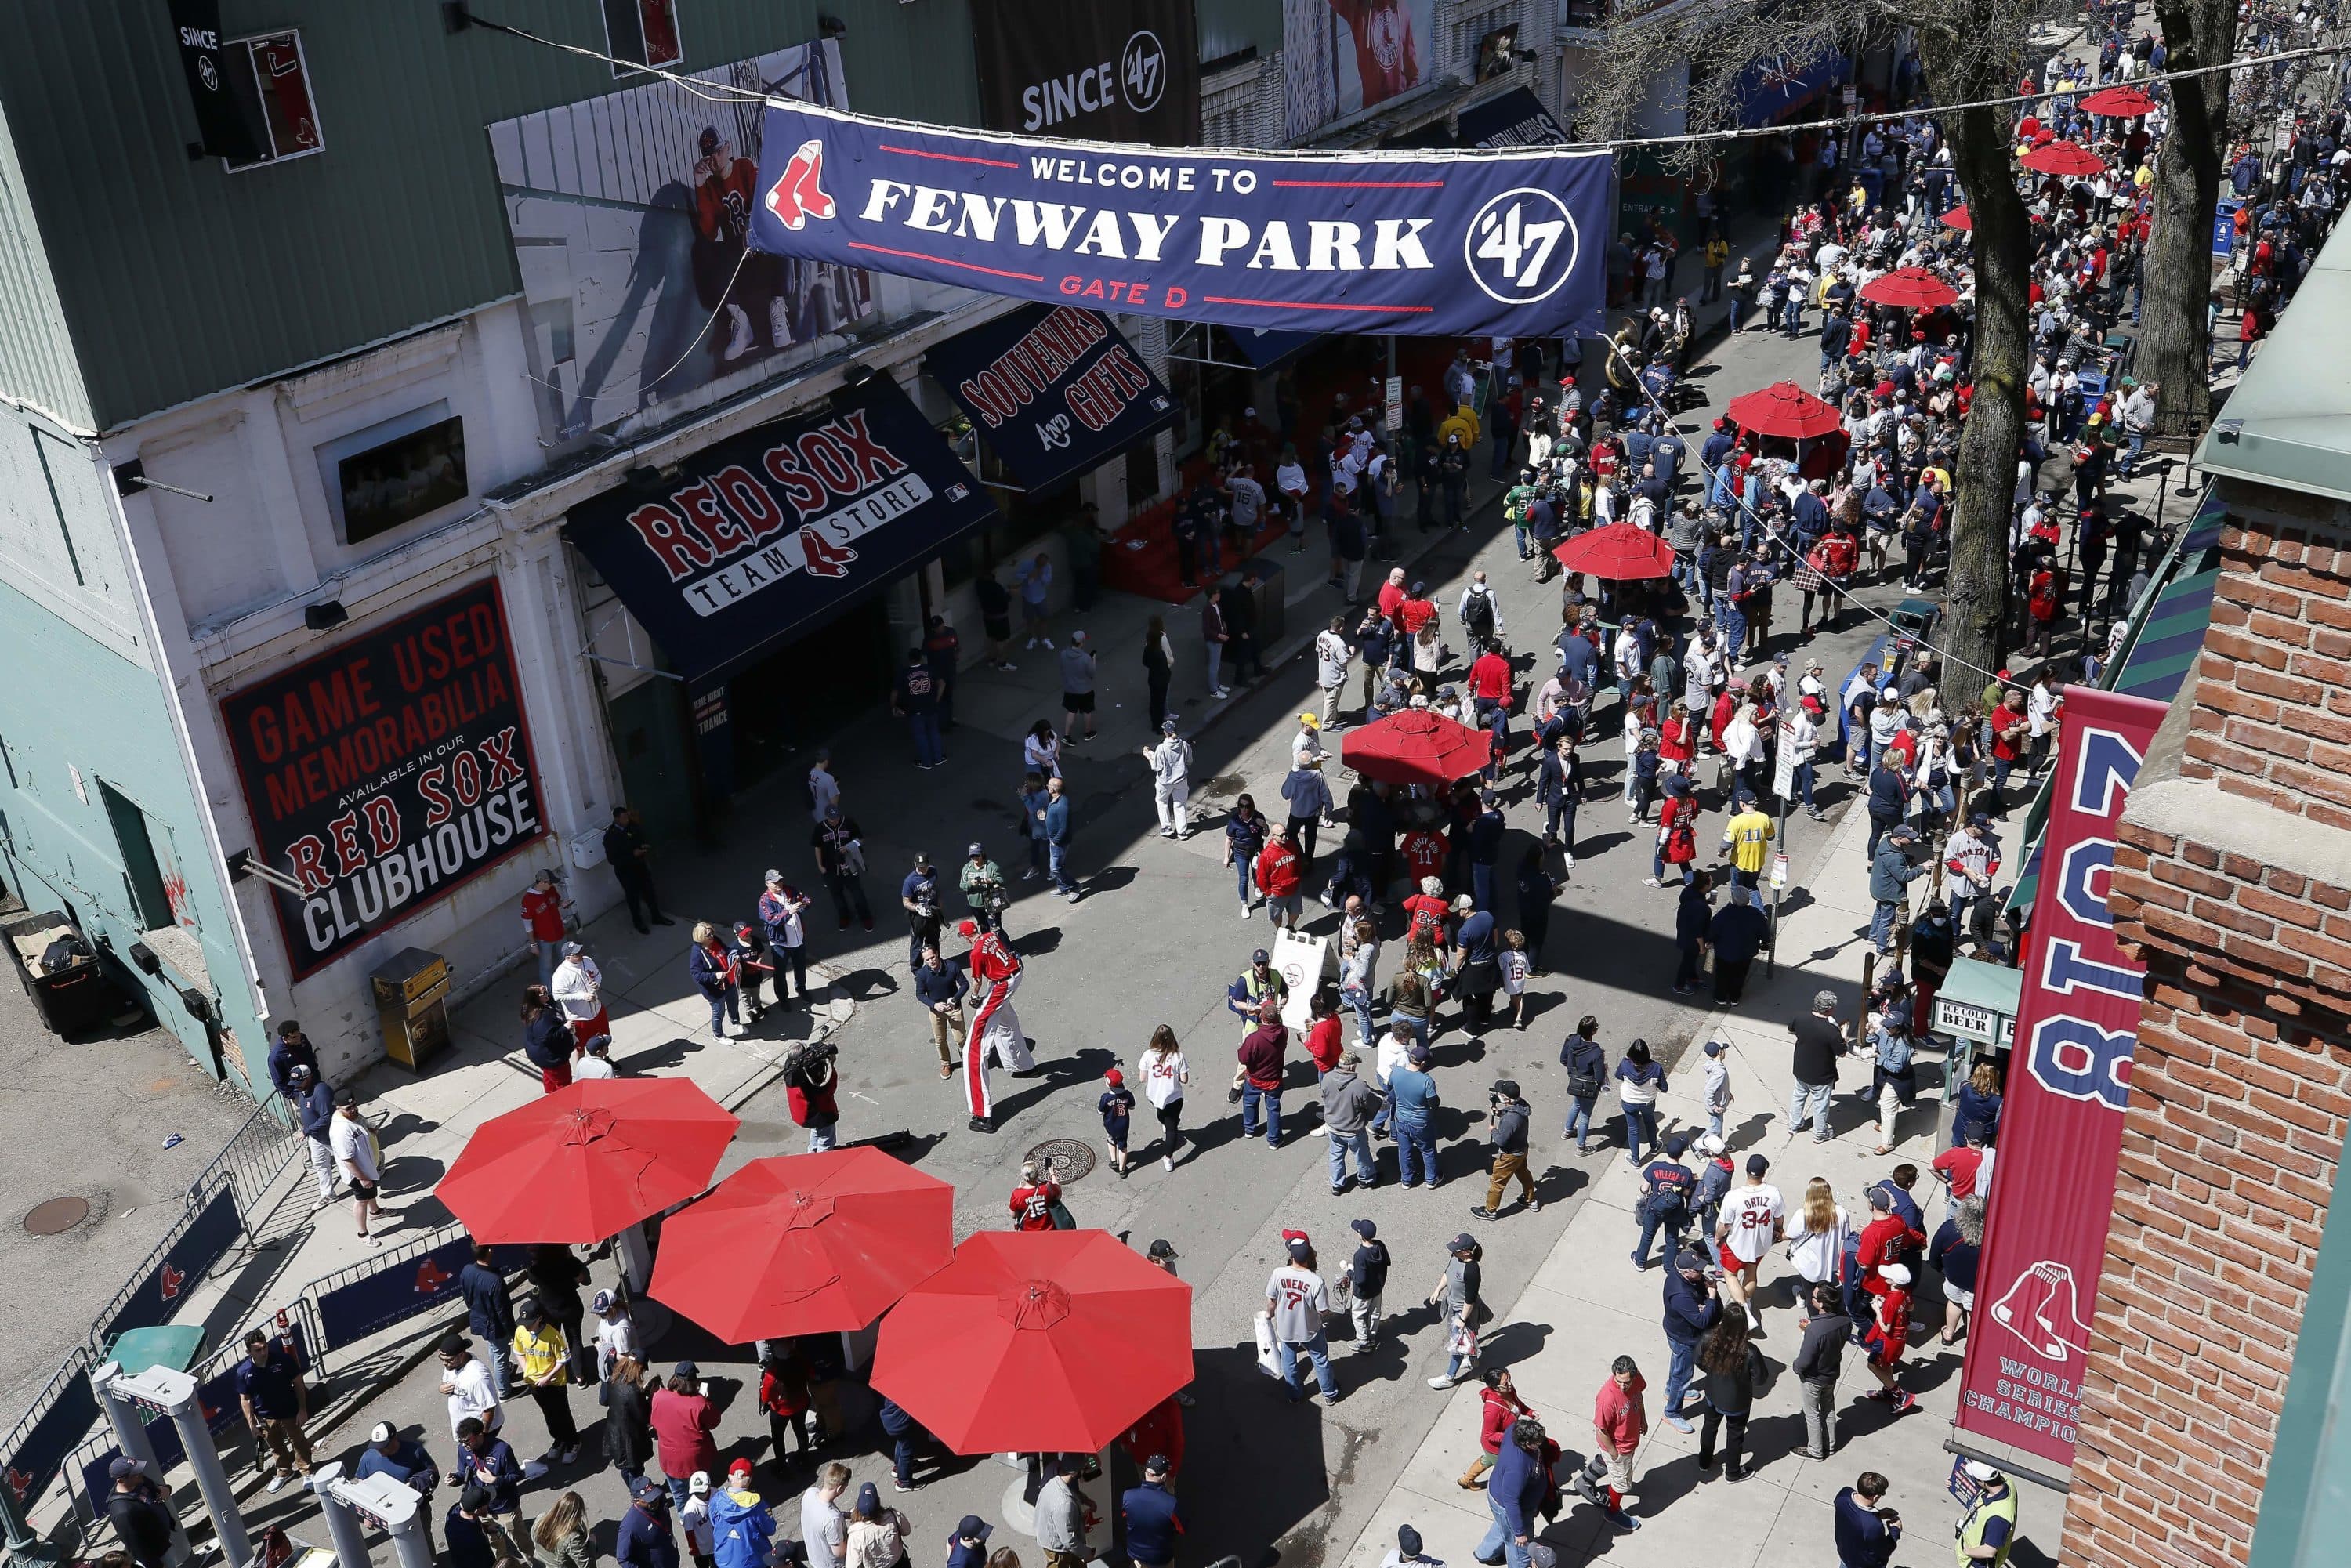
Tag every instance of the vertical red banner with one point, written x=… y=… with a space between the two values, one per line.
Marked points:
x=2068 y=1082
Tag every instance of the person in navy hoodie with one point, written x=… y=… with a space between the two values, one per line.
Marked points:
x=1867 y=1534
x=1515 y=1490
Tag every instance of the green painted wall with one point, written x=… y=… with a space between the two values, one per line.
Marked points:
x=68 y=637
x=2306 y=1497
x=176 y=278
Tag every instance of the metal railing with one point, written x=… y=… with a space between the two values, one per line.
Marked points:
x=256 y=1157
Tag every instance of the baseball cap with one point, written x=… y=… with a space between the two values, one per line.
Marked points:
x=646 y=1491
x=922 y=857
x=1710 y=1145
x=1980 y=819
x=774 y=875
x=1407 y=1541
x=1260 y=956
x=1693 y=1258
x=123 y=1465
x=1418 y=1055
x=1157 y=1465
x=1509 y=1086
x=1903 y=832
x=572 y=949
x=1715 y=1048
x=967 y=928
x=1310 y=720
x=685 y=1369
x=381 y=1432
x=1676 y=1143
x=1464 y=1242
x=1894 y=1274
x=455 y=1344
x=1978 y=1470
x=1879 y=1197
x=1114 y=1077
x=600 y=1302
x=1295 y=1241
x=971 y=1527
x=1161 y=1249
x=1364 y=1227
x=869 y=1499
x=1756 y=1164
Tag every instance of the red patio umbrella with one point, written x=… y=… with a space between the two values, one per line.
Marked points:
x=1958 y=218
x=2118 y=103
x=805 y=1244
x=1417 y=747
x=1910 y=288
x=2069 y=159
x=1785 y=410
x=1037 y=1342
x=587 y=1162
x=1620 y=552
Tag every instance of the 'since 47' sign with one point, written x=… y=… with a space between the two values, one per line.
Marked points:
x=387 y=770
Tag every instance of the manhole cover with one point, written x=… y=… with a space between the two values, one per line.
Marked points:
x=60 y=1215
x=1069 y=1159
x=1222 y=785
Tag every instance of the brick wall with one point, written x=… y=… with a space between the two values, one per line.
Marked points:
x=2232 y=882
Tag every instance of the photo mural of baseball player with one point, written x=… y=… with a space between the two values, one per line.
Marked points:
x=630 y=216
x=995 y=970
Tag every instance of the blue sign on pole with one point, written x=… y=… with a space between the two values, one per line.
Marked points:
x=1441 y=244
x=2224 y=228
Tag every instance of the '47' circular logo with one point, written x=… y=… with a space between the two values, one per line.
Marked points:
x=1143 y=71
x=1522 y=246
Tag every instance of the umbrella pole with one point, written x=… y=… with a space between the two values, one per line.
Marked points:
x=633 y=1249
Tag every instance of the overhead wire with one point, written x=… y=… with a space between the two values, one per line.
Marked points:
x=727 y=92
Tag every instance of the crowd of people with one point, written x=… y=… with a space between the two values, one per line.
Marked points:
x=1716 y=708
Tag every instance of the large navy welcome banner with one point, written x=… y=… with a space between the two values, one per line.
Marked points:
x=779 y=525
x=1454 y=244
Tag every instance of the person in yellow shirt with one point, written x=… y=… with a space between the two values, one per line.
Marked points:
x=1747 y=837
x=545 y=1357
x=1718 y=257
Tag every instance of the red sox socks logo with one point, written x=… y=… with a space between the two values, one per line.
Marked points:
x=824 y=558
x=799 y=195
x=19 y=1483
x=173 y=1281
x=2042 y=1310
x=430 y=1277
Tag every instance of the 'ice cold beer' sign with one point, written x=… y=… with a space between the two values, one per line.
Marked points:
x=387 y=772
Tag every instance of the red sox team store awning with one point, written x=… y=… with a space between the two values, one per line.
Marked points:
x=761 y=537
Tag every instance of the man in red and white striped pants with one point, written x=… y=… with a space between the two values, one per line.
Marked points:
x=995 y=1030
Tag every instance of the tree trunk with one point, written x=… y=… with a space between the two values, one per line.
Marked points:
x=1975 y=595
x=2173 y=350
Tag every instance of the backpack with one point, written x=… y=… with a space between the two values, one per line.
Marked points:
x=1478 y=615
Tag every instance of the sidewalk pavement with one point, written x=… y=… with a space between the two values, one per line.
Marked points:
x=1586 y=1305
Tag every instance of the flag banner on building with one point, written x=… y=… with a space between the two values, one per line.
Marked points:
x=1053 y=390
x=386 y=772
x=2061 y=1129
x=1340 y=57
x=1447 y=244
x=1108 y=70
x=762 y=534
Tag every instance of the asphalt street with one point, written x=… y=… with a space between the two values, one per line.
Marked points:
x=1156 y=939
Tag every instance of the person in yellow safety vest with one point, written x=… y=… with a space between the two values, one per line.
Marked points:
x=1988 y=1531
x=544 y=1356
x=1747 y=837
x=1259 y=981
